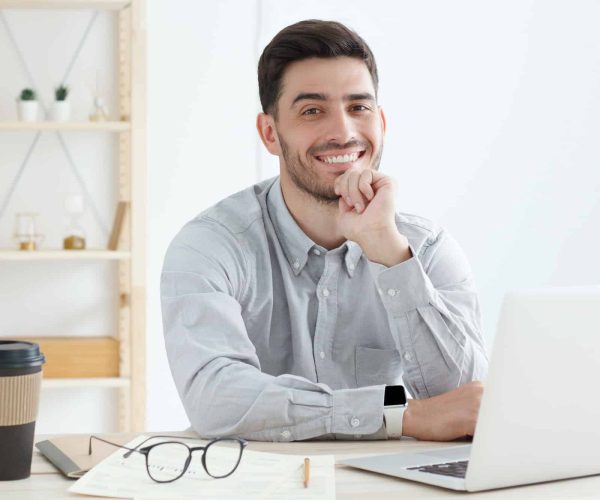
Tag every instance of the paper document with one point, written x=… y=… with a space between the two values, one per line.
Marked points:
x=259 y=475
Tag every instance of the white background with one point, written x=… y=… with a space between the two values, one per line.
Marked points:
x=493 y=115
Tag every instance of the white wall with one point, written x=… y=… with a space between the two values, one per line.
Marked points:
x=201 y=112
x=494 y=117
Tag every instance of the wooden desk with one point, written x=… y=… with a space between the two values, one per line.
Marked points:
x=46 y=483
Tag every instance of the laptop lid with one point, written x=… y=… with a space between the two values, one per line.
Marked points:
x=539 y=418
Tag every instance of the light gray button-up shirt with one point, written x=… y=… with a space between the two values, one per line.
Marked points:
x=272 y=337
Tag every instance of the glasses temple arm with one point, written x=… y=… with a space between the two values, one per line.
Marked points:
x=107 y=442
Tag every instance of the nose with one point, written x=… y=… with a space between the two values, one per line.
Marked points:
x=341 y=126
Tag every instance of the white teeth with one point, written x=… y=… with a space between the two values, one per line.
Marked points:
x=341 y=158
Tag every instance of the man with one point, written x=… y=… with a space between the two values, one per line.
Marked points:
x=290 y=306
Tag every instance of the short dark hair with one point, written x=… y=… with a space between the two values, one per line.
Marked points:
x=303 y=40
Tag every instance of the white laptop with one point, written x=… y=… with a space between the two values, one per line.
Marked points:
x=539 y=418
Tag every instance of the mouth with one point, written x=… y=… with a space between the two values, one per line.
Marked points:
x=340 y=160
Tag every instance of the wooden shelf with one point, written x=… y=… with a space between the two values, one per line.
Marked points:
x=64 y=255
x=76 y=126
x=61 y=383
x=64 y=4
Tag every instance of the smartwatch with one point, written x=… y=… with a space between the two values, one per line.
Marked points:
x=394 y=405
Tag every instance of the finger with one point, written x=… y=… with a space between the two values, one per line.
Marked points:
x=336 y=186
x=341 y=188
x=380 y=180
x=360 y=201
x=364 y=184
x=343 y=206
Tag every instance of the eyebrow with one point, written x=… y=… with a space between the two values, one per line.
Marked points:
x=316 y=96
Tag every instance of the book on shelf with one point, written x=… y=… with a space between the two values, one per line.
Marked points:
x=118 y=223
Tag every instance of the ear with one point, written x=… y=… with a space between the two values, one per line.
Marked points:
x=383 y=120
x=265 y=124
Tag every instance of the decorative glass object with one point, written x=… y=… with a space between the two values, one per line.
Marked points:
x=26 y=231
x=75 y=235
x=100 y=112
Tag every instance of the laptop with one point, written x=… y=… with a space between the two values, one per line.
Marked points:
x=539 y=418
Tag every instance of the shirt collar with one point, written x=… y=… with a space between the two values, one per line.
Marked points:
x=294 y=242
x=296 y=245
x=353 y=255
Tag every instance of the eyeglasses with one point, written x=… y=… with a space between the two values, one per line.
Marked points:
x=167 y=461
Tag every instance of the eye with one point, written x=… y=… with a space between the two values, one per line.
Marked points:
x=360 y=107
x=311 y=111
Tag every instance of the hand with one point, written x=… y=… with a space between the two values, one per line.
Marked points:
x=446 y=417
x=367 y=215
x=366 y=202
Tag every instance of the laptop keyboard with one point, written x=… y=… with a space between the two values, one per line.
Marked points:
x=454 y=469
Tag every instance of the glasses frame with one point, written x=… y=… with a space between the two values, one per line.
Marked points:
x=191 y=449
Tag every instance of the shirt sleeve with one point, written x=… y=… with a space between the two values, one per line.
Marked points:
x=214 y=363
x=434 y=314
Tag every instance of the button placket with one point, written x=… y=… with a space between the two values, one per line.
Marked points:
x=326 y=311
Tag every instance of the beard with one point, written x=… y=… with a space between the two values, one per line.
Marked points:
x=305 y=176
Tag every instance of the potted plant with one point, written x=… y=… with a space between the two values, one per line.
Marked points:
x=61 y=111
x=28 y=105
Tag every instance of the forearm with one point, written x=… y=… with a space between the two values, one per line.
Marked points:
x=386 y=246
x=233 y=399
x=437 y=327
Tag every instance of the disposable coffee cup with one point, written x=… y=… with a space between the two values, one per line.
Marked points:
x=20 y=381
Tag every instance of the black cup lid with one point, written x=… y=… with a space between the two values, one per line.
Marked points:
x=20 y=354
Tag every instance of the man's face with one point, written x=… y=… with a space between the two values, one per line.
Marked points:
x=328 y=121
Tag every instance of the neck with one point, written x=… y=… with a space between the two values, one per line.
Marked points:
x=317 y=220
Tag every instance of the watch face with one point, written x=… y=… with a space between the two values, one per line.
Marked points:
x=394 y=395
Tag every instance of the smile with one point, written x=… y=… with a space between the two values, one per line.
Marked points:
x=345 y=158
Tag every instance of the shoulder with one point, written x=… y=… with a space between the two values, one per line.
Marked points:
x=220 y=232
x=238 y=212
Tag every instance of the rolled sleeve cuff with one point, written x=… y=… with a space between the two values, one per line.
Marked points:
x=358 y=411
x=403 y=287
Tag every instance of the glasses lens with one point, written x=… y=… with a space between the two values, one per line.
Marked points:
x=222 y=457
x=167 y=461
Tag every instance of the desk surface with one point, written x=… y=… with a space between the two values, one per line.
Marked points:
x=46 y=483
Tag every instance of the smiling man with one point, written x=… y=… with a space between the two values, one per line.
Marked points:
x=296 y=308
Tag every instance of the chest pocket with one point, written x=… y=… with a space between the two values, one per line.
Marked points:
x=377 y=366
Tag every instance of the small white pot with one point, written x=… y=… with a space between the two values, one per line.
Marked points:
x=61 y=111
x=28 y=110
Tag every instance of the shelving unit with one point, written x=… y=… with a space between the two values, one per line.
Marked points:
x=71 y=383
x=131 y=188
x=64 y=255
x=83 y=126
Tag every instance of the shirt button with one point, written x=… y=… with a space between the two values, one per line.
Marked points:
x=351 y=267
x=355 y=422
x=325 y=292
x=286 y=434
x=408 y=356
x=296 y=264
x=322 y=355
x=316 y=251
x=391 y=292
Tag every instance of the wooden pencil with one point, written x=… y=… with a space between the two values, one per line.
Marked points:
x=306 y=471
